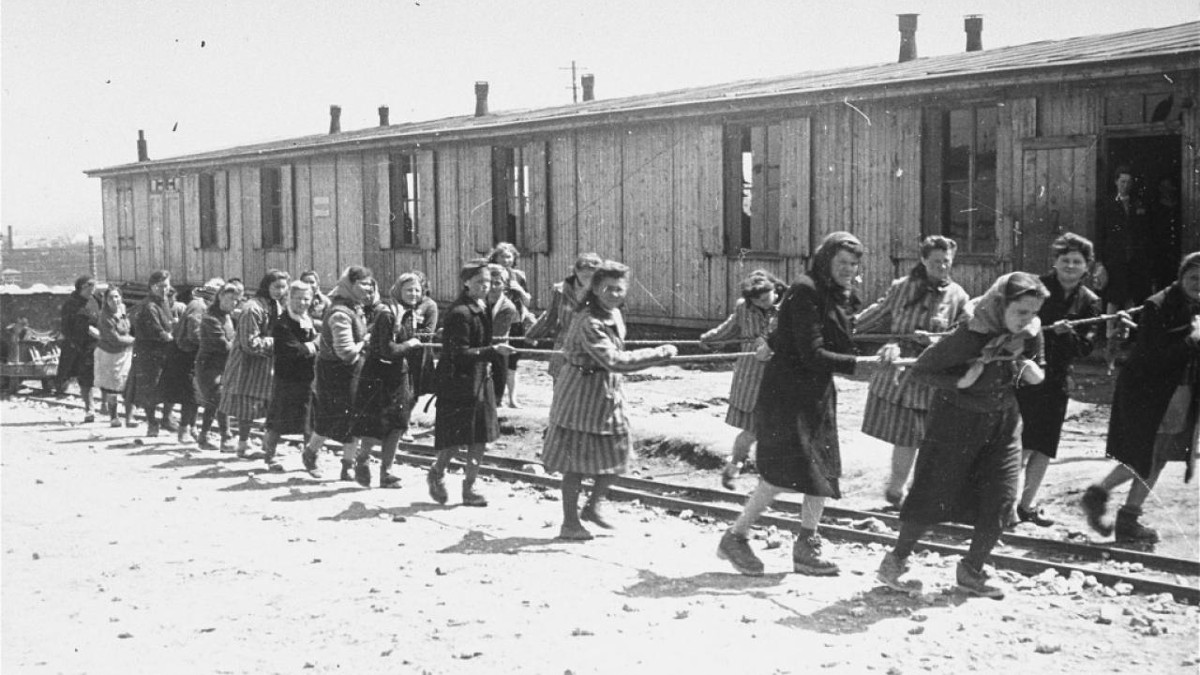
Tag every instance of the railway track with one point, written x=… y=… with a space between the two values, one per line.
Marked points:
x=1144 y=571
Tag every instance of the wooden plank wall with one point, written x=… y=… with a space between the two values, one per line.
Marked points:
x=647 y=219
x=599 y=166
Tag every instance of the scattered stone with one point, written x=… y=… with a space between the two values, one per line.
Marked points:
x=468 y=655
x=1047 y=648
x=918 y=617
x=438 y=571
x=1106 y=615
x=207 y=630
x=858 y=611
x=916 y=630
x=681 y=614
x=581 y=632
x=1123 y=588
x=686 y=514
x=38 y=482
x=627 y=608
x=124 y=636
x=399 y=519
x=36 y=556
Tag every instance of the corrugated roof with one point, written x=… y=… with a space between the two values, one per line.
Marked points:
x=1079 y=51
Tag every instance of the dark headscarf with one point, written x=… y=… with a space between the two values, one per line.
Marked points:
x=821 y=269
x=347 y=286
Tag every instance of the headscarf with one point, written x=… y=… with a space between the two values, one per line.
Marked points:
x=821 y=269
x=406 y=278
x=986 y=316
x=209 y=290
x=347 y=285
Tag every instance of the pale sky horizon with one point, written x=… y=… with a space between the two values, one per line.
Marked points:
x=78 y=79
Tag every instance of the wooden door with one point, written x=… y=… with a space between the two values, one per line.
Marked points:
x=1058 y=188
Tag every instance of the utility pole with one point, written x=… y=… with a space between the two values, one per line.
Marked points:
x=574 y=81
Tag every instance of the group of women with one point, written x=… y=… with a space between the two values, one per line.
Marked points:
x=951 y=385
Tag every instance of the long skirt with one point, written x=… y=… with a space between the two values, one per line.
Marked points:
x=246 y=385
x=383 y=399
x=111 y=371
x=333 y=400
x=175 y=385
x=1177 y=437
x=77 y=361
x=206 y=379
x=967 y=468
x=1043 y=409
x=893 y=423
x=467 y=422
x=291 y=401
x=148 y=361
x=570 y=451
x=798 y=445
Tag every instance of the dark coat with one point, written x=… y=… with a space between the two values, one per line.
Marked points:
x=796 y=414
x=1162 y=356
x=383 y=394
x=466 y=399
x=295 y=356
x=75 y=360
x=1123 y=245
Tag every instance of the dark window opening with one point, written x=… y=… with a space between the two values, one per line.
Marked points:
x=968 y=183
x=272 y=206
x=208 y=212
x=752 y=186
x=510 y=191
x=404 y=187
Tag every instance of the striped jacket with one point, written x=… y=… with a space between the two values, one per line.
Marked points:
x=556 y=320
x=940 y=311
x=749 y=323
x=588 y=394
x=249 y=368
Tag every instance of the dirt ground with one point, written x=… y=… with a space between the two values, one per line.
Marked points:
x=130 y=555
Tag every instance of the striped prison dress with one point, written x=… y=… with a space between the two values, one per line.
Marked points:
x=896 y=405
x=749 y=323
x=589 y=427
x=246 y=382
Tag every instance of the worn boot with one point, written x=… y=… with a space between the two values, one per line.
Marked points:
x=806 y=557
x=1130 y=531
x=890 y=571
x=309 y=458
x=593 y=512
x=736 y=549
x=347 y=471
x=437 y=486
x=977 y=582
x=1095 y=506
x=362 y=474
x=469 y=496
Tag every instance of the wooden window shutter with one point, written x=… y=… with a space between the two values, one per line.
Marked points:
x=191 y=209
x=796 y=187
x=537 y=227
x=726 y=155
x=221 y=200
x=252 y=205
x=485 y=203
x=383 y=200
x=287 y=206
x=427 y=215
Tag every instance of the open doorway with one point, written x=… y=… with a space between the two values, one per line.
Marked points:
x=1154 y=164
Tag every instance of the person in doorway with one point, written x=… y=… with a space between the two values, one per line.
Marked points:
x=80 y=331
x=1123 y=260
x=969 y=461
x=1044 y=406
x=1165 y=220
x=294 y=350
x=466 y=396
x=564 y=301
x=925 y=301
x=751 y=321
x=795 y=417
x=1155 y=406
x=588 y=432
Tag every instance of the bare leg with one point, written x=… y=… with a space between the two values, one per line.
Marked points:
x=1142 y=488
x=764 y=493
x=512 y=388
x=903 y=457
x=1035 y=470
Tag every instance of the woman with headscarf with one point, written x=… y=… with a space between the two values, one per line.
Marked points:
x=114 y=351
x=246 y=383
x=588 y=433
x=565 y=298
x=217 y=336
x=295 y=349
x=178 y=384
x=1155 y=405
x=80 y=331
x=751 y=321
x=466 y=396
x=970 y=457
x=152 y=330
x=383 y=399
x=795 y=417
x=339 y=356
x=926 y=300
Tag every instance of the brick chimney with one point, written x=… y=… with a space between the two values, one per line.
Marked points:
x=335 y=119
x=143 y=153
x=383 y=116
x=589 y=87
x=973 y=25
x=481 y=93
x=908 y=37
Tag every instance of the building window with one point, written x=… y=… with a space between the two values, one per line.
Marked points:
x=968 y=181
x=510 y=186
x=271 y=186
x=404 y=188
x=751 y=177
x=208 y=212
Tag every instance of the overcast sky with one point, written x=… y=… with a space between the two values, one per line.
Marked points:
x=80 y=78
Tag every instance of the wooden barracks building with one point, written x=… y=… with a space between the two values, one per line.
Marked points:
x=1001 y=149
